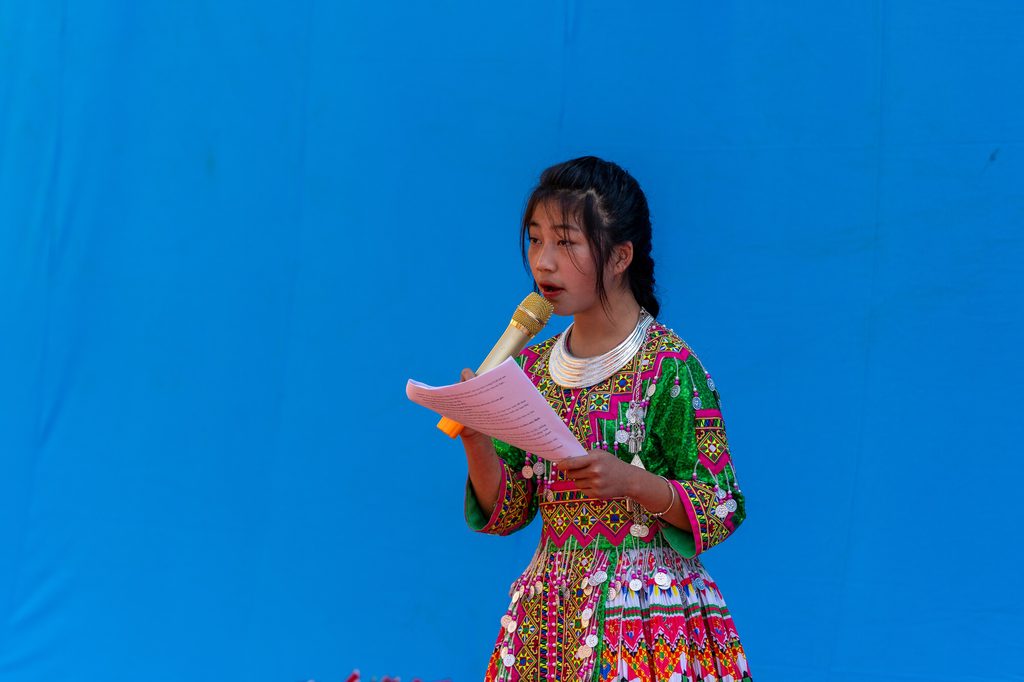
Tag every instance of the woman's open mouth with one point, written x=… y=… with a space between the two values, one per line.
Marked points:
x=549 y=291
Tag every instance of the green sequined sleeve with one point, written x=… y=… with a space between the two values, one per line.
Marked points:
x=516 y=504
x=687 y=444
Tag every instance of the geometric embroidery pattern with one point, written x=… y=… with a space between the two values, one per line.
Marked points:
x=513 y=507
x=712 y=446
x=700 y=502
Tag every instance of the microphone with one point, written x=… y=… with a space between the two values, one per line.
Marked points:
x=529 y=318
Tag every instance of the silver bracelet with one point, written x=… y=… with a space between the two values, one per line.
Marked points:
x=672 y=491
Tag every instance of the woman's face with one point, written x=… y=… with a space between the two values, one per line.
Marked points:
x=561 y=262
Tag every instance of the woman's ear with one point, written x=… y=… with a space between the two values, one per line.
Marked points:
x=622 y=256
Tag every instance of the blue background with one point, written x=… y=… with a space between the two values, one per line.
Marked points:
x=229 y=232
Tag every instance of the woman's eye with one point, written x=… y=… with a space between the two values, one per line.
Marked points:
x=533 y=240
x=564 y=242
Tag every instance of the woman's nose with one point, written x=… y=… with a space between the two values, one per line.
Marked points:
x=544 y=259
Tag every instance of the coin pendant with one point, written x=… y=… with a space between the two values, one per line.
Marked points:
x=505 y=620
x=584 y=652
x=674 y=391
x=696 y=402
x=511 y=627
x=587 y=613
x=661 y=579
x=730 y=505
x=635 y=585
x=550 y=496
x=699 y=583
x=639 y=530
x=538 y=468
x=651 y=388
x=621 y=436
x=721 y=511
x=509 y=660
x=527 y=471
x=711 y=383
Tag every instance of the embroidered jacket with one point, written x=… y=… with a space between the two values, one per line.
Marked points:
x=684 y=440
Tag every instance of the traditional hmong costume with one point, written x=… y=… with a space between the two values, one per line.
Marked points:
x=612 y=592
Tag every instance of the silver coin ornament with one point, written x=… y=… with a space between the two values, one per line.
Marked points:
x=730 y=505
x=587 y=613
x=538 y=468
x=651 y=388
x=721 y=511
x=527 y=471
x=699 y=584
x=639 y=530
x=696 y=402
x=662 y=579
x=720 y=494
x=509 y=660
x=711 y=384
x=505 y=620
x=621 y=436
x=591 y=641
x=598 y=578
x=675 y=391
x=636 y=584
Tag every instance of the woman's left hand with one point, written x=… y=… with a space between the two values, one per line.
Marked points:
x=600 y=474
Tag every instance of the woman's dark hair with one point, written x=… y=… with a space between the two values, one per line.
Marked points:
x=612 y=210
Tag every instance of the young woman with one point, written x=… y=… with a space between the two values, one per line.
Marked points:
x=616 y=589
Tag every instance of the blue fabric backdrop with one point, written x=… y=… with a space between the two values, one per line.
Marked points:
x=230 y=231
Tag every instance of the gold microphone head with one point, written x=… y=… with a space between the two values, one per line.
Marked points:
x=533 y=313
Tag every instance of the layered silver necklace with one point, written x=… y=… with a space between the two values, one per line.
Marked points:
x=569 y=371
